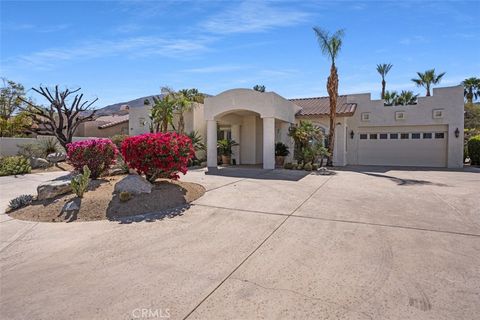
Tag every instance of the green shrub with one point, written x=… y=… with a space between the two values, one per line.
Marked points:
x=80 y=182
x=294 y=166
x=308 y=166
x=125 y=196
x=48 y=145
x=300 y=166
x=20 y=201
x=118 y=139
x=474 y=150
x=14 y=165
x=30 y=150
x=288 y=166
x=315 y=167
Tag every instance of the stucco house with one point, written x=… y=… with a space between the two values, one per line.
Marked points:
x=104 y=126
x=427 y=134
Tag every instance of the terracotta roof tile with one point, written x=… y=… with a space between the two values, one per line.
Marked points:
x=321 y=106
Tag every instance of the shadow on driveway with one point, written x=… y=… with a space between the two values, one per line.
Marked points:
x=258 y=173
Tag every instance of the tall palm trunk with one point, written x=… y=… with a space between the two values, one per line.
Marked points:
x=428 y=90
x=470 y=95
x=181 y=123
x=384 y=83
x=332 y=89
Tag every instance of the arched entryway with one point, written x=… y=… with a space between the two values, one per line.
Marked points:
x=256 y=120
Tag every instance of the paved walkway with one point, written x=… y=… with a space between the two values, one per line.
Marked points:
x=365 y=243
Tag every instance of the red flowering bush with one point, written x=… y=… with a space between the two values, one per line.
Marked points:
x=158 y=155
x=97 y=154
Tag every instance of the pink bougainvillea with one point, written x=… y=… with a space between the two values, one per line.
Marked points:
x=97 y=154
x=158 y=155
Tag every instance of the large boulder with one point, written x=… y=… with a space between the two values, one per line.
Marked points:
x=38 y=163
x=51 y=189
x=56 y=157
x=134 y=184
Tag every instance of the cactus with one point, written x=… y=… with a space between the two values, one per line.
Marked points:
x=20 y=201
x=125 y=196
x=80 y=182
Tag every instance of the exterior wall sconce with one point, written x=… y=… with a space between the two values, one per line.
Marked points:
x=457 y=133
x=352 y=134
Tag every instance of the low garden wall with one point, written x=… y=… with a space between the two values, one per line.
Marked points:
x=9 y=146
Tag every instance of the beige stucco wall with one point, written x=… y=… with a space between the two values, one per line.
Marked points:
x=10 y=146
x=419 y=117
x=267 y=104
x=91 y=129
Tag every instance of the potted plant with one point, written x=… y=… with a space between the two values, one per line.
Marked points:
x=225 y=149
x=281 y=151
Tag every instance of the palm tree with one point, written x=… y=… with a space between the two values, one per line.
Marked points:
x=390 y=98
x=471 y=88
x=259 y=88
x=406 y=98
x=184 y=100
x=428 y=78
x=161 y=114
x=383 y=69
x=330 y=45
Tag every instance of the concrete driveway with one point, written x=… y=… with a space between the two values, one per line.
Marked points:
x=365 y=243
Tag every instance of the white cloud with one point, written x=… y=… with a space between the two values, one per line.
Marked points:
x=215 y=69
x=413 y=40
x=37 y=28
x=131 y=47
x=253 y=16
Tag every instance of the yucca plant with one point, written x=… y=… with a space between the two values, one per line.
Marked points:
x=80 y=182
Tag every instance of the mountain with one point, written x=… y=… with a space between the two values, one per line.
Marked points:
x=115 y=109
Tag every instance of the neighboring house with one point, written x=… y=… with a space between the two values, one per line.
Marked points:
x=427 y=134
x=104 y=127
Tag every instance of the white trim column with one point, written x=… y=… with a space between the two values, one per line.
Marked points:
x=211 y=143
x=236 y=138
x=269 y=143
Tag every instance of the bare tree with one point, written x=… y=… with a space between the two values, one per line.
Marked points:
x=62 y=117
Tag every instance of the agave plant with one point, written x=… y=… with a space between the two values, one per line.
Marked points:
x=20 y=201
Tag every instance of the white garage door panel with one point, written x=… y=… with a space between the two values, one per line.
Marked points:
x=411 y=152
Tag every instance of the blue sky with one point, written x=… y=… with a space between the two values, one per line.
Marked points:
x=118 y=51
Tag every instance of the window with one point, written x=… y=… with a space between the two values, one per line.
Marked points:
x=363 y=136
x=400 y=115
x=373 y=136
x=439 y=135
x=366 y=116
x=438 y=114
x=427 y=135
x=383 y=136
x=393 y=135
x=415 y=135
x=404 y=135
x=141 y=122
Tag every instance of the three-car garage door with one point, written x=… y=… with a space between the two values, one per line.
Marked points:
x=403 y=146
